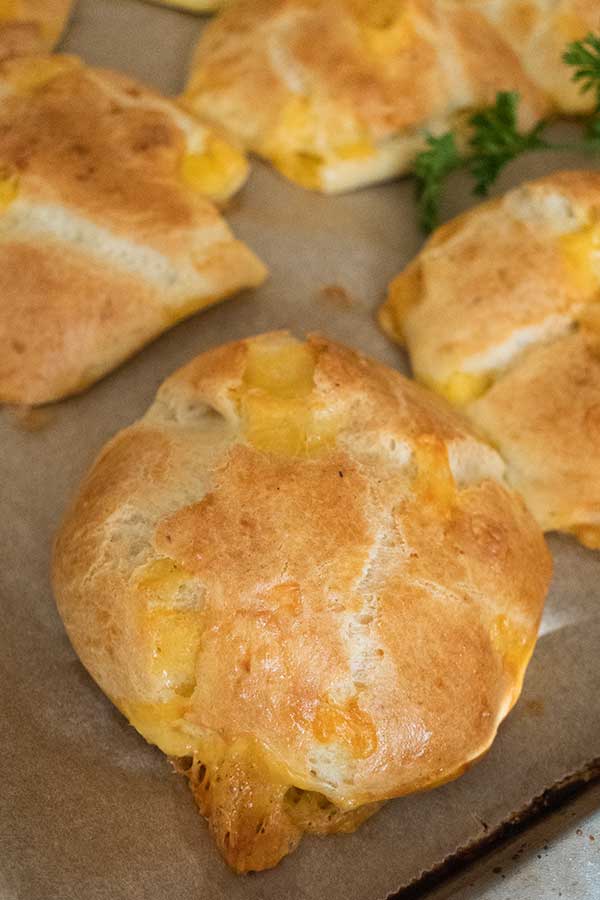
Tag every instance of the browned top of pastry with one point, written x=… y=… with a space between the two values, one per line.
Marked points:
x=303 y=571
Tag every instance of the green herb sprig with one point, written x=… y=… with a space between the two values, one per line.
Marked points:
x=495 y=138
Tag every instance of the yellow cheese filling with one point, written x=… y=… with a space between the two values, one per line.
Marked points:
x=581 y=254
x=588 y=535
x=302 y=143
x=279 y=411
x=159 y=724
x=433 y=483
x=348 y=724
x=9 y=189
x=404 y=294
x=513 y=645
x=171 y=622
x=217 y=171
x=462 y=387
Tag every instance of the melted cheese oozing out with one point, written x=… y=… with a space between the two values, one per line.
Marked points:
x=434 y=483
x=292 y=145
x=463 y=387
x=581 y=253
x=514 y=647
x=302 y=168
x=216 y=172
x=350 y=725
x=158 y=723
x=300 y=147
x=9 y=189
x=589 y=535
x=172 y=623
x=277 y=405
x=405 y=293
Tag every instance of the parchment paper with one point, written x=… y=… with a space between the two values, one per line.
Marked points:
x=89 y=811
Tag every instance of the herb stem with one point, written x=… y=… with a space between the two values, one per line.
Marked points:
x=496 y=139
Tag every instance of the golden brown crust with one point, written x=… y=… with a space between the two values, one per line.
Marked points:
x=104 y=241
x=327 y=91
x=31 y=26
x=499 y=293
x=553 y=461
x=361 y=614
x=49 y=329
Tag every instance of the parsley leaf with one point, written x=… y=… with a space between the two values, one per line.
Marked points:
x=431 y=168
x=584 y=56
x=496 y=140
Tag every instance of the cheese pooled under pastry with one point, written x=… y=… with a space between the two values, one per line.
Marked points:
x=338 y=94
x=107 y=233
x=500 y=313
x=303 y=578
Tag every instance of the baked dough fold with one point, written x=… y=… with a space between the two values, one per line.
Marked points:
x=108 y=235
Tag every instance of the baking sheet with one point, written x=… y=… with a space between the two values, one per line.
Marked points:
x=557 y=856
x=91 y=812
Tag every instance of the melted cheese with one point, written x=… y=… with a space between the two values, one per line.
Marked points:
x=160 y=724
x=9 y=189
x=281 y=367
x=313 y=812
x=302 y=168
x=304 y=142
x=581 y=254
x=292 y=145
x=512 y=644
x=434 y=483
x=404 y=294
x=349 y=725
x=278 y=409
x=171 y=622
x=217 y=171
x=588 y=535
x=463 y=387
x=361 y=148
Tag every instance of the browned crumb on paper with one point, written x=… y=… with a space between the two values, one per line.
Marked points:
x=336 y=295
x=535 y=707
